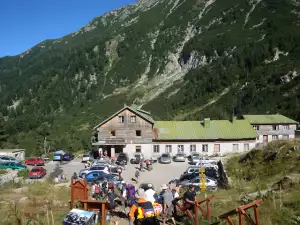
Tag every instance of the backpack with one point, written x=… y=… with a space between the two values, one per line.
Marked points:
x=97 y=189
x=130 y=191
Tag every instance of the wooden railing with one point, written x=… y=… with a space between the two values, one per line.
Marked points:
x=242 y=214
x=194 y=216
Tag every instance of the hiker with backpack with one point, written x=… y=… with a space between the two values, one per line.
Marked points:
x=130 y=194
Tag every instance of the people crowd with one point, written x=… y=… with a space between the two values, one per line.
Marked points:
x=145 y=204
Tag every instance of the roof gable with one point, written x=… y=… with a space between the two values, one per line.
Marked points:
x=195 y=130
x=269 y=119
x=143 y=114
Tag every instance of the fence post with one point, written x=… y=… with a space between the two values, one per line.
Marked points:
x=196 y=214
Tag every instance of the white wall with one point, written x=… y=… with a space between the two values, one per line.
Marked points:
x=225 y=147
x=280 y=137
x=146 y=149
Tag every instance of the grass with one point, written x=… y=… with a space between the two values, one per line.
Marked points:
x=259 y=170
x=38 y=203
x=2 y=171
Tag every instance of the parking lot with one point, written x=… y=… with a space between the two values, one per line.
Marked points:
x=161 y=173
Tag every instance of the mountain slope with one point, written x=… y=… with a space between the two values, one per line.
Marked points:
x=182 y=59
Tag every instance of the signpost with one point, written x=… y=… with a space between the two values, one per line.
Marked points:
x=202 y=180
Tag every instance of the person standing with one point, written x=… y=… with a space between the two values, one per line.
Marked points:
x=137 y=175
x=149 y=193
x=167 y=199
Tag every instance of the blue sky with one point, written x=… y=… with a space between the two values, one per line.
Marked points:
x=25 y=23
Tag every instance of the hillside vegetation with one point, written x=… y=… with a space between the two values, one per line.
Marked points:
x=186 y=59
x=271 y=173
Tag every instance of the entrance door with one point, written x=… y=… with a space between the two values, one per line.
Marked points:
x=138 y=148
x=216 y=148
x=265 y=138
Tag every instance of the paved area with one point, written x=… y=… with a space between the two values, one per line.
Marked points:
x=161 y=173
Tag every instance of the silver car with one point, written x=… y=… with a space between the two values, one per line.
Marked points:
x=211 y=183
x=165 y=158
x=179 y=157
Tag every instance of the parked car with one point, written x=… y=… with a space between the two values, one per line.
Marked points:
x=93 y=175
x=211 y=184
x=4 y=158
x=165 y=158
x=35 y=161
x=57 y=157
x=95 y=168
x=201 y=165
x=203 y=160
x=37 y=172
x=12 y=165
x=85 y=158
x=179 y=157
x=68 y=157
x=193 y=155
x=137 y=157
x=99 y=176
x=122 y=157
x=210 y=172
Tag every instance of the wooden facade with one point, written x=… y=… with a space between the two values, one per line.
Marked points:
x=128 y=127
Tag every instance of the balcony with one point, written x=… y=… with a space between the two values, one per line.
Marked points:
x=109 y=141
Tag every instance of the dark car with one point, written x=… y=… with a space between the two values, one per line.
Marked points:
x=68 y=157
x=209 y=172
x=122 y=157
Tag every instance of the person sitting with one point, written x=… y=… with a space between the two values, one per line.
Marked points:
x=189 y=198
x=150 y=194
x=142 y=213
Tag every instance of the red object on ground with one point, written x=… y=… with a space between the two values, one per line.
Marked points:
x=36 y=161
x=37 y=172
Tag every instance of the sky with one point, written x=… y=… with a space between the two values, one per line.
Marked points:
x=25 y=23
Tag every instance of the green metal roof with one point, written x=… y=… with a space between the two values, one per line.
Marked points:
x=217 y=129
x=141 y=113
x=269 y=119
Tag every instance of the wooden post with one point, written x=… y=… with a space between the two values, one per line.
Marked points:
x=241 y=218
x=256 y=214
x=72 y=193
x=196 y=214
x=208 y=210
x=103 y=214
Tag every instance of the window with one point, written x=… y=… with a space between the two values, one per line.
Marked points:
x=138 y=148
x=235 y=147
x=204 y=148
x=274 y=137
x=275 y=127
x=216 y=148
x=246 y=147
x=121 y=119
x=180 y=148
x=192 y=148
x=138 y=133
x=168 y=148
x=132 y=119
x=156 y=148
x=286 y=127
x=113 y=133
x=285 y=137
x=256 y=127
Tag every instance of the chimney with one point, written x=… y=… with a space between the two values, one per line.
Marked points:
x=206 y=122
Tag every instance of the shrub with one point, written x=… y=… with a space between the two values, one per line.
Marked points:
x=23 y=173
x=3 y=172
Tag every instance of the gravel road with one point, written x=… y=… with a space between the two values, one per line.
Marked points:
x=161 y=173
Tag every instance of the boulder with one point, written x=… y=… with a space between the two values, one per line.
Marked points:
x=287 y=182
